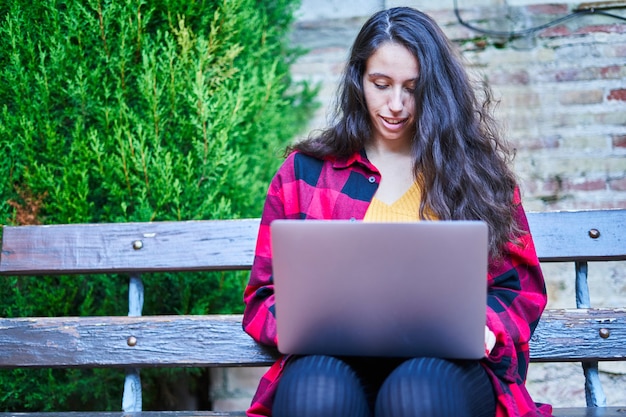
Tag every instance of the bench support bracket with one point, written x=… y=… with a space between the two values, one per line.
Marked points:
x=594 y=393
x=131 y=401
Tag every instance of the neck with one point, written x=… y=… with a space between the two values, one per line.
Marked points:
x=382 y=149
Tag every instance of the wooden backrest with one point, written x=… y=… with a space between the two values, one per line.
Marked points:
x=229 y=244
x=563 y=335
x=128 y=247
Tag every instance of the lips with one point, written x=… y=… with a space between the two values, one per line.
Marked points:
x=394 y=121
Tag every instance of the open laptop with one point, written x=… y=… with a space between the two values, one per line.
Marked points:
x=380 y=289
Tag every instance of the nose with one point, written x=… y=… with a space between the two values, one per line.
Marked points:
x=396 y=100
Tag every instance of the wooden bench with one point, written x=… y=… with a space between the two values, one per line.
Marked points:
x=584 y=335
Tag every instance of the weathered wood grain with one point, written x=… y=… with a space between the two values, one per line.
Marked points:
x=107 y=248
x=165 y=341
x=218 y=340
x=590 y=412
x=219 y=245
x=565 y=235
x=580 y=334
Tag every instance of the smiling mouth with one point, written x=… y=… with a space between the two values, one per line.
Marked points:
x=393 y=121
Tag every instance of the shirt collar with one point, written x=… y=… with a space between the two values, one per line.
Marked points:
x=357 y=158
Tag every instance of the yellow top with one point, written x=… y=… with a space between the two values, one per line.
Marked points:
x=404 y=209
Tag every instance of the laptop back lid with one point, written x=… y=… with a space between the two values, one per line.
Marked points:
x=380 y=289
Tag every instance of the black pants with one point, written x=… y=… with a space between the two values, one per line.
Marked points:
x=314 y=386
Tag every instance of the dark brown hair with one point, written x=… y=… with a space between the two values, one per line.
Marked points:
x=460 y=161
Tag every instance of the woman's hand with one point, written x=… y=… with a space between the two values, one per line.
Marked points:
x=490 y=341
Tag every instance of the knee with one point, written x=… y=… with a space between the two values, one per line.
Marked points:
x=422 y=387
x=415 y=371
x=319 y=385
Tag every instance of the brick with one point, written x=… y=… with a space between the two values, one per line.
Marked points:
x=578 y=73
x=328 y=9
x=555 y=32
x=519 y=119
x=528 y=187
x=543 y=9
x=584 y=184
x=551 y=185
x=615 y=165
x=569 y=98
x=519 y=77
x=458 y=34
x=618 y=94
x=493 y=58
x=531 y=204
x=568 y=74
x=616 y=28
x=536 y=143
x=606 y=203
x=588 y=143
x=518 y=98
x=578 y=201
x=617 y=184
x=615 y=50
x=612 y=72
x=577 y=53
x=443 y=17
x=619 y=141
x=577 y=119
x=557 y=165
x=607 y=118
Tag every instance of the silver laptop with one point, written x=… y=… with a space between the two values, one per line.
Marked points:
x=380 y=289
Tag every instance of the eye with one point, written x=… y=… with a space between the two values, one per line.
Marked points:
x=380 y=86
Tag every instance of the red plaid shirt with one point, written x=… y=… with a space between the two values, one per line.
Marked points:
x=308 y=188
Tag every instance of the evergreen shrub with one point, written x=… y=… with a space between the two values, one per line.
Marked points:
x=136 y=110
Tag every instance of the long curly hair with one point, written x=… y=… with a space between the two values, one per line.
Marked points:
x=460 y=161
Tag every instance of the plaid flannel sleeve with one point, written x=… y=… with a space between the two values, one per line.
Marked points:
x=515 y=301
x=259 y=319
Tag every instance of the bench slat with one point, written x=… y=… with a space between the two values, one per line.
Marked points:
x=218 y=340
x=590 y=412
x=558 y=412
x=573 y=335
x=134 y=414
x=229 y=244
x=108 y=248
x=215 y=340
x=564 y=235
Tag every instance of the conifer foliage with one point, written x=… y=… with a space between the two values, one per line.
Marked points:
x=136 y=110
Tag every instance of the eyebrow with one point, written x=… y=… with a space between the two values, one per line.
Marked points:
x=381 y=75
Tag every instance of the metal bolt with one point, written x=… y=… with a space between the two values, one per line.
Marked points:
x=137 y=244
x=594 y=233
x=131 y=341
x=604 y=333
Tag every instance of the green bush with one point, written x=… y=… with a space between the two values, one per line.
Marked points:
x=133 y=110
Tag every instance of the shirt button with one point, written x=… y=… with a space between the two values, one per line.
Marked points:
x=372 y=179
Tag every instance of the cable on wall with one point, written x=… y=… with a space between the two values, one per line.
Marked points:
x=534 y=29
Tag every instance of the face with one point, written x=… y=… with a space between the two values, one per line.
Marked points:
x=388 y=83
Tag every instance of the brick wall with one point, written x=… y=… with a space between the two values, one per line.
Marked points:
x=562 y=93
x=563 y=106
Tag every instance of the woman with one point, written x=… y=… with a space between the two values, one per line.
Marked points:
x=410 y=121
